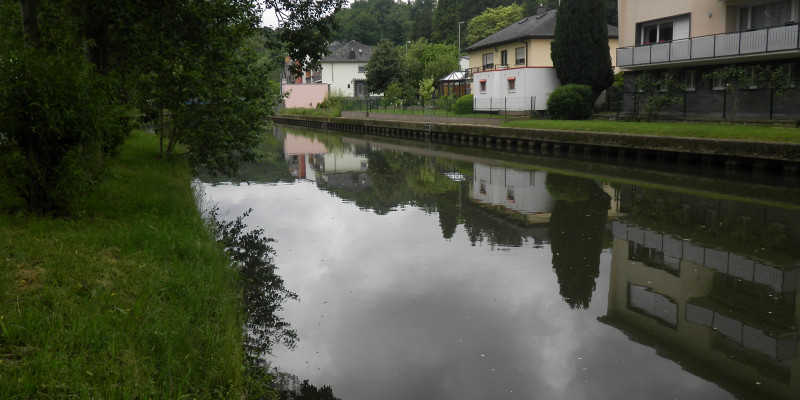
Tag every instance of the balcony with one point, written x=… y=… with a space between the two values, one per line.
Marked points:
x=727 y=45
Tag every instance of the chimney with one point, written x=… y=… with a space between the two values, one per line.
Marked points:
x=352 y=53
x=541 y=10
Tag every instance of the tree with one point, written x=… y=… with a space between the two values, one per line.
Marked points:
x=422 y=19
x=492 y=20
x=184 y=62
x=426 y=60
x=383 y=67
x=576 y=235
x=57 y=113
x=426 y=90
x=446 y=17
x=736 y=78
x=661 y=90
x=579 y=50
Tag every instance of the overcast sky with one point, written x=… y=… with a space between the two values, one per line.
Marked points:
x=269 y=18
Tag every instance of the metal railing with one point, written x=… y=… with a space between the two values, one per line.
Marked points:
x=719 y=45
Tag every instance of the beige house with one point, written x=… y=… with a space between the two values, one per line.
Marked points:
x=695 y=37
x=512 y=70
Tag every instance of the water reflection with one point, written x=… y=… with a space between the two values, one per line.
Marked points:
x=432 y=274
x=576 y=235
x=720 y=298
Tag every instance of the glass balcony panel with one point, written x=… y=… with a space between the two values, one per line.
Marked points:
x=726 y=44
x=753 y=42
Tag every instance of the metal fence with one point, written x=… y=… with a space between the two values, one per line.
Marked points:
x=764 y=104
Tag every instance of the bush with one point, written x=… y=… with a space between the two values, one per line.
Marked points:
x=445 y=103
x=570 y=102
x=58 y=120
x=463 y=105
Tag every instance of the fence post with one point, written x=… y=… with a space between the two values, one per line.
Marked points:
x=684 y=103
x=724 y=101
x=771 y=101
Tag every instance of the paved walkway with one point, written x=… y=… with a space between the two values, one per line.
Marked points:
x=425 y=118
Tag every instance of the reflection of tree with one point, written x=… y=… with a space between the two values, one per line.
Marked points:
x=263 y=290
x=576 y=235
x=269 y=168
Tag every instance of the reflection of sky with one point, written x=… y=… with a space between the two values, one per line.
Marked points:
x=390 y=310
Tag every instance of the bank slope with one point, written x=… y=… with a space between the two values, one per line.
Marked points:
x=131 y=298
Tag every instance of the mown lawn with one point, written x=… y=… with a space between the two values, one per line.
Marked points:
x=129 y=298
x=698 y=130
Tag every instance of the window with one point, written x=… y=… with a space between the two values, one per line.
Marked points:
x=663 y=30
x=657 y=33
x=788 y=69
x=519 y=55
x=690 y=80
x=765 y=15
x=717 y=83
x=483 y=85
x=360 y=69
x=488 y=60
x=504 y=58
x=512 y=84
x=753 y=78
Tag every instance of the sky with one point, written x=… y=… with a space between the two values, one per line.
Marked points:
x=269 y=18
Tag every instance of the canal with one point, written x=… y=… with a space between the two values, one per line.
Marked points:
x=431 y=272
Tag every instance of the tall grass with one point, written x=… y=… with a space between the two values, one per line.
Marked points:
x=130 y=298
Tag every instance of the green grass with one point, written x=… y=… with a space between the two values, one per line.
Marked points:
x=130 y=298
x=313 y=112
x=697 y=130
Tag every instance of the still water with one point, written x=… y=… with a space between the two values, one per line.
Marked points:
x=426 y=272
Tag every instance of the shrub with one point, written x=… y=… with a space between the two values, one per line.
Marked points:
x=463 y=105
x=445 y=103
x=570 y=102
x=58 y=120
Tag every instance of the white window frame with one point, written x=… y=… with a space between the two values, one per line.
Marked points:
x=517 y=59
x=690 y=80
x=488 y=60
x=717 y=83
x=749 y=8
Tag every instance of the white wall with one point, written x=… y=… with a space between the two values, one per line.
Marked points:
x=340 y=75
x=530 y=193
x=530 y=82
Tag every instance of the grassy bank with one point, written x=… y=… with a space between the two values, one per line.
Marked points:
x=131 y=298
x=699 y=130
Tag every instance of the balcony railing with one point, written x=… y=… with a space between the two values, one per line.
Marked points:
x=704 y=47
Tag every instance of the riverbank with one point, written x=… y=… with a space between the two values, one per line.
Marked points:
x=130 y=298
x=742 y=152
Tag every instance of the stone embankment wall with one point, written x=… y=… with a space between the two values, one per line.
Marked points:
x=780 y=158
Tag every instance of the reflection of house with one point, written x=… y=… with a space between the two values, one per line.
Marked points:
x=521 y=192
x=512 y=69
x=724 y=316
x=696 y=37
x=310 y=159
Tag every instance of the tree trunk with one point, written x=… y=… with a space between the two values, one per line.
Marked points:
x=30 y=23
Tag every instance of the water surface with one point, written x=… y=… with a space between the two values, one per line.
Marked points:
x=435 y=273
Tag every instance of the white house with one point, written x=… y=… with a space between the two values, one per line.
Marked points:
x=512 y=70
x=343 y=68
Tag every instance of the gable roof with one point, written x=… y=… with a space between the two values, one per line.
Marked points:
x=351 y=51
x=542 y=26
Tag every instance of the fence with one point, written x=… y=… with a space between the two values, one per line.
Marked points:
x=724 y=104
